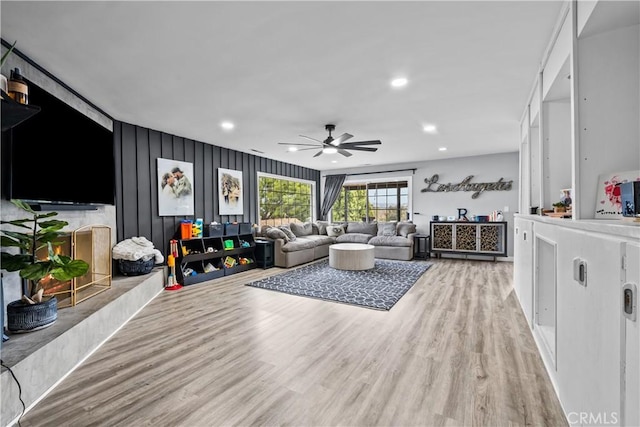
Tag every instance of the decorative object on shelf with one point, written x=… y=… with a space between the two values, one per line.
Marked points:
x=230 y=192
x=17 y=87
x=630 y=197
x=196 y=228
x=43 y=232
x=608 y=197
x=333 y=145
x=175 y=191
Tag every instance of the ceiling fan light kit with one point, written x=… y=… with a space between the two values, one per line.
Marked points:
x=333 y=145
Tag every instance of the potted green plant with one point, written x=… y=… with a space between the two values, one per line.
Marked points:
x=3 y=78
x=40 y=231
x=559 y=207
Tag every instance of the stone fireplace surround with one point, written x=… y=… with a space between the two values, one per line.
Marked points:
x=41 y=359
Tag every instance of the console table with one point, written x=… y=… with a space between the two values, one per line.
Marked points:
x=469 y=238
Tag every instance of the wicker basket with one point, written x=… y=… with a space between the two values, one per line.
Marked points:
x=23 y=317
x=135 y=268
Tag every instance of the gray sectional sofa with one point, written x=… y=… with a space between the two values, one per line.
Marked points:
x=298 y=243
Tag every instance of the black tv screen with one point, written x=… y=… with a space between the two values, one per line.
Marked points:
x=59 y=155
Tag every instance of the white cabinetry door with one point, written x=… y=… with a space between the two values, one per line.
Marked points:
x=588 y=325
x=631 y=350
x=523 y=266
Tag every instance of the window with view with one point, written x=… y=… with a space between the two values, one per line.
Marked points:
x=284 y=200
x=374 y=201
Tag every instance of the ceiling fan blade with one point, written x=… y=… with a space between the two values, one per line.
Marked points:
x=315 y=147
x=298 y=144
x=357 y=143
x=371 y=149
x=342 y=138
x=344 y=152
x=318 y=153
x=313 y=139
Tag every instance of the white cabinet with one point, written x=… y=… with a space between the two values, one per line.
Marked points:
x=523 y=265
x=588 y=339
x=590 y=348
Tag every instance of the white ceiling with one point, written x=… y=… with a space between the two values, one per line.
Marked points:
x=282 y=69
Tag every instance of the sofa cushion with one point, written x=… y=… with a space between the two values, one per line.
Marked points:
x=276 y=233
x=395 y=241
x=301 y=229
x=335 y=230
x=405 y=228
x=319 y=239
x=322 y=227
x=363 y=228
x=287 y=231
x=298 y=245
x=354 y=238
x=386 y=229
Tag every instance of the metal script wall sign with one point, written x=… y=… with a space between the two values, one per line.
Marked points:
x=466 y=185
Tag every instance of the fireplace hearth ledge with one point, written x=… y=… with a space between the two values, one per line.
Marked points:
x=78 y=332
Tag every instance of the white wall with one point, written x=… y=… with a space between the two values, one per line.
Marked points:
x=487 y=168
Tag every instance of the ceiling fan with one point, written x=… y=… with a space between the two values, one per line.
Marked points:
x=333 y=145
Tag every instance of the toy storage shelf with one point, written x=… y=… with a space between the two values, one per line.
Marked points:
x=197 y=256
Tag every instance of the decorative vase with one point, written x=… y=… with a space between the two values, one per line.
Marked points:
x=24 y=317
x=559 y=209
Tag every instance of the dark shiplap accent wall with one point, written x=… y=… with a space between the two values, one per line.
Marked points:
x=136 y=151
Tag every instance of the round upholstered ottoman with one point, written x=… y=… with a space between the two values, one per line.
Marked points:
x=351 y=256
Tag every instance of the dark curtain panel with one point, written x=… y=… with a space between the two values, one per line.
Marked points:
x=332 y=187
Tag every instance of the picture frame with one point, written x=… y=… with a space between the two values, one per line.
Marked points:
x=608 y=197
x=175 y=188
x=230 y=192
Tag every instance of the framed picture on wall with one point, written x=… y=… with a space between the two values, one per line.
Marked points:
x=175 y=188
x=230 y=192
x=608 y=197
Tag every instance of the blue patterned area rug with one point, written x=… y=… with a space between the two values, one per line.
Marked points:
x=379 y=288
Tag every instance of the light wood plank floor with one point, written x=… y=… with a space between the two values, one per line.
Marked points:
x=454 y=351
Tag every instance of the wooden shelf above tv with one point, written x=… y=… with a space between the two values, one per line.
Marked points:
x=14 y=113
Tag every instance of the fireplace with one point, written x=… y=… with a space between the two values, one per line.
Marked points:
x=91 y=244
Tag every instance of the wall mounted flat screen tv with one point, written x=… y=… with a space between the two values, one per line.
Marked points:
x=58 y=156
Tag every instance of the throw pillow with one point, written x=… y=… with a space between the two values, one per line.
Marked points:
x=334 y=230
x=404 y=228
x=276 y=233
x=299 y=230
x=388 y=229
x=322 y=226
x=288 y=232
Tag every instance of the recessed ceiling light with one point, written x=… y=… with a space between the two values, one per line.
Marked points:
x=329 y=150
x=442 y=149
x=399 y=82
x=430 y=128
x=334 y=161
x=227 y=125
x=293 y=148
